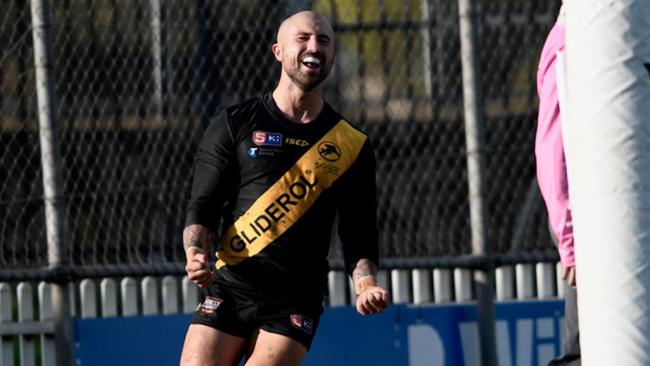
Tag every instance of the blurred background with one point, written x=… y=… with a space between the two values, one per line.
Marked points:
x=135 y=83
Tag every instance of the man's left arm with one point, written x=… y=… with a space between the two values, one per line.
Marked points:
x=358 y=232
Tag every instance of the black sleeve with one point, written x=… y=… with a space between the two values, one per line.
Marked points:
x=210 y=178
x=358 y=210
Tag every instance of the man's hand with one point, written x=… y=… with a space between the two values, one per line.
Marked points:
x=569 y=275
x=196 y=241
x=372 y=300
x=198 y=268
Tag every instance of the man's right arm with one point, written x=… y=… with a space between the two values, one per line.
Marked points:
x=197 y=240
x=210 y=184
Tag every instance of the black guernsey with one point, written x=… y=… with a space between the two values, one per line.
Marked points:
x=244 y=151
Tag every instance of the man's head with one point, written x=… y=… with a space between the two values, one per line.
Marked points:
x=305 y=47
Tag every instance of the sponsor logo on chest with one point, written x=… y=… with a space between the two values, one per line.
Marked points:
x=263 y=138
x=296 y=142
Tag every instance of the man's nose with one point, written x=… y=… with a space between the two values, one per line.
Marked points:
x=312 y=44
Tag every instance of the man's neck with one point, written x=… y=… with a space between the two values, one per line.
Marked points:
x=298 y=105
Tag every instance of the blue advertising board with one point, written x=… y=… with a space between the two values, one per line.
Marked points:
x=528 y=333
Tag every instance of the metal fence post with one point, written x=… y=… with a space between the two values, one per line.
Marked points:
x=52 y=178
x=155 y=9
x=475 y=144
x=425 y=9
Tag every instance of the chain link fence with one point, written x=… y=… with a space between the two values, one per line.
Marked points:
x=137 y=82
x=22 y=239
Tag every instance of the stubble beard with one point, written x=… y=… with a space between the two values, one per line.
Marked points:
x=304 y=81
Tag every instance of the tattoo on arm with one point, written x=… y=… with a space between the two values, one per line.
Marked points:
x=364 y=275
x=197 y=236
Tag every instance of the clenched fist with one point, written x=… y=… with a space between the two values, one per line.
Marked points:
x=372 y=300
x=198 y=270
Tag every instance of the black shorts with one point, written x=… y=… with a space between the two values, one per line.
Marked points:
x=240 y=312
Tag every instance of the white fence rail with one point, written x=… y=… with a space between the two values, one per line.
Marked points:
x=26 y=308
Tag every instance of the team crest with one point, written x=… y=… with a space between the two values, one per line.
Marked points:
x=329 y=151
x=301 y=322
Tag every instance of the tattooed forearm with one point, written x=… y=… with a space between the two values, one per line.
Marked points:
x=364 y=268
x=197 y=236
x=364 y=275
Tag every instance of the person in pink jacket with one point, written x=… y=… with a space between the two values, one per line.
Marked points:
x=553 y=183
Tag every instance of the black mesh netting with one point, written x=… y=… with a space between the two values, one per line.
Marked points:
x=137 y=81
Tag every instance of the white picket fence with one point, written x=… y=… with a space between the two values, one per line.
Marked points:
x=176 y=295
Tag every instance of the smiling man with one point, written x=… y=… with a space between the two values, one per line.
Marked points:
x=278 y=169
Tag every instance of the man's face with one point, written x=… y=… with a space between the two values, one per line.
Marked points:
x=306 y=50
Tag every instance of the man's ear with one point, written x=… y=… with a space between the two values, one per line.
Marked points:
x=277 y=51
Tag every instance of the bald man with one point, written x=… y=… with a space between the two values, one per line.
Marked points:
x=278 y=169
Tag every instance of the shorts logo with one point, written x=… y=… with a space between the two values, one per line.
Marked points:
x=329 y=151
x=262 y=138
x=302 y=323
x=210 y=305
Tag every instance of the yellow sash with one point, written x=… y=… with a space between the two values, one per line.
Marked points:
x=282 y=205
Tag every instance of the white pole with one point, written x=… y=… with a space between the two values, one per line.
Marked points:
x=468 y=14
x=608 y=142
x=52 y=176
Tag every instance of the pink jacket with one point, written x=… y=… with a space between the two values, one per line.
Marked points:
x=549 y=150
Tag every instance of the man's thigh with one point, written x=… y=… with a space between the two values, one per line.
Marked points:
x=272 y=349
x=208 y=346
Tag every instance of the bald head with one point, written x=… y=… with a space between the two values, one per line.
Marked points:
x=301 y=19
x=305 y=48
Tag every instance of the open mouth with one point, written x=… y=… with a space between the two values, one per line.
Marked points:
x=311 y=62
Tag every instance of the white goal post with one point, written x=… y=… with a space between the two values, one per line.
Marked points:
x=608 y=152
